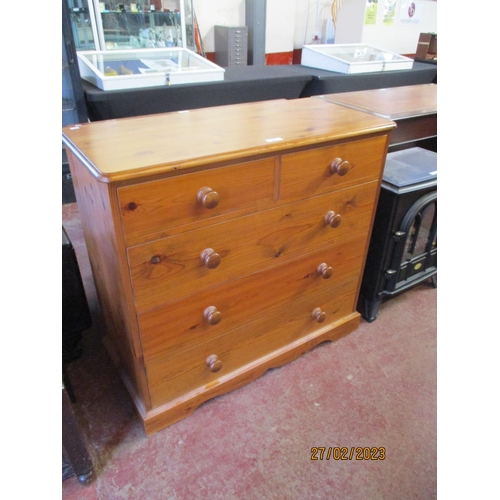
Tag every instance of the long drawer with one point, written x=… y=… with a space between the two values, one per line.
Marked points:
x=211 y=313
x=180 y=265
x=172 y=376
x=163 y=205
x=310 y=173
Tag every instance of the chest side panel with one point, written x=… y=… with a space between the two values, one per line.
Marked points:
x=109 y=269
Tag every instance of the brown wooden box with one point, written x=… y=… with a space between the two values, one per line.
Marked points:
x=427 y=46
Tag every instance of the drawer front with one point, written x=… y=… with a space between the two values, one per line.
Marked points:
x=309 y=173
x=171 y=377
x=238 y=42
x=237 y=50
x=238 y=38
x=180 y=265
x=238 y=62
x=188 y=322
x=158 y=206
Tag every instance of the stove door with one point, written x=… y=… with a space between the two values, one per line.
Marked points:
x=414 y=256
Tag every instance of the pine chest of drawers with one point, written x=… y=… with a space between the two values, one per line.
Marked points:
x=224 y=241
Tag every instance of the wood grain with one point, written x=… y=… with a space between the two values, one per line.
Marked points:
x=308 y=173
x=180 y=325
x=181 y=407
x=413 y=108
x=154 y=206
x=131 y=148
x=172 y=268
x=183 y=329
x=187 y=369
x=97 y=208
x=392 y=103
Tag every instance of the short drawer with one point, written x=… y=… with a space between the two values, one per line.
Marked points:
x=173 y=376
x=211 y=313
x=155 y=207
x=177 y=266
x=237 y=45
x=322 y=170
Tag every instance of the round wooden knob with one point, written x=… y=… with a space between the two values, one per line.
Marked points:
x=208 y=197
x=212 y=315
x=214 y=363
x=325 y=271
x=333 y=219
x=340 y=166
x=210 y=258
x=318 y=315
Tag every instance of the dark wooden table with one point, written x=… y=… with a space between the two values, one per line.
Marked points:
x=412 y=107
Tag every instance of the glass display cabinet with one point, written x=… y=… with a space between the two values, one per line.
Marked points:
x=83 y=25
x=132 y=24
x=74 y=109
x=353 y=58
x=127 y=44
x=128 y=69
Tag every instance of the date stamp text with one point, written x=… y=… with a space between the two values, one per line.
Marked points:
x=345 y=453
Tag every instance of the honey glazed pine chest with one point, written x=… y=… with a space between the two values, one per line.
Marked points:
x=224 y=241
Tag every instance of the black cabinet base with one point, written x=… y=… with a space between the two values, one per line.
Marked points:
x=369 y=308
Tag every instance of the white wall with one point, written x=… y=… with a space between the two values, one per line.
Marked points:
x=290 y=24
x=280 y=25
x=217 y=12
x=280 y=21
x=350 y=20
x=397 y=38
x=310 y=19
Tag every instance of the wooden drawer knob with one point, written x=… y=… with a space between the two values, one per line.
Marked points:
x=333 y=219
x=325 y=271
x=318 y=315
x=210 y=258
x=214 y=363
x=208 y=197
x=340 y=166
x=212 y=315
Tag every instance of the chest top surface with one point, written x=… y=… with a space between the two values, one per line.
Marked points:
x=128 y=148
x=391 y=103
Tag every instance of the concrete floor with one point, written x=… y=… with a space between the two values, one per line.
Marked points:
x=374 y=388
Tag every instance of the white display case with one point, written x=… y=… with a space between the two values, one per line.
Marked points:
x=352 y=58
x=131 y=69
